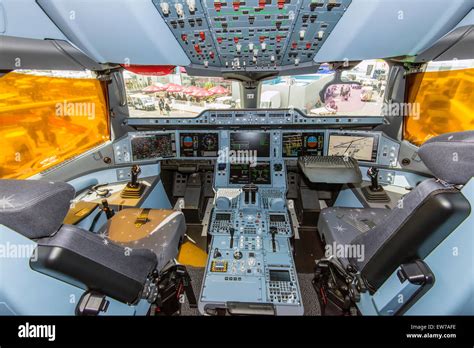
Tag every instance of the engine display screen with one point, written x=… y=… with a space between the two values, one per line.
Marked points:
x=153 y=146
x=247 y=174
x=302 y=144
x=361 y=147
x=257 y=142
x=278 y=275
x=198 y=144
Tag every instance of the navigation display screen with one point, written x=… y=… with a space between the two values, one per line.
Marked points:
x=302 y=144
x=198 y=144
x=153 y=146
x=251 y=141
x=361 y=147
x=246 y=174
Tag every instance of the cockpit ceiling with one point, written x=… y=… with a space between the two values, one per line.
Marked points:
x=287 y=34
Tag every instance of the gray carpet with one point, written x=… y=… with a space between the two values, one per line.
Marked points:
x=310 y=300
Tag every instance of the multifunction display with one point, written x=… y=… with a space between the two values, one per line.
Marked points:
x=153 y=146
x=198 y=144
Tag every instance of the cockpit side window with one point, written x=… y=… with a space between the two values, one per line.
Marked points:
x=48 y=117
x=443 y=100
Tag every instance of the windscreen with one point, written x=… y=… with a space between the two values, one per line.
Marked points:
x=359 y=93
x=178 y=94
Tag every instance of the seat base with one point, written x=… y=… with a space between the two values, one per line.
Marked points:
x=161 y=231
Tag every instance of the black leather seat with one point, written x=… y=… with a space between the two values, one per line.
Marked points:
x=37 y=209
x=422 y=220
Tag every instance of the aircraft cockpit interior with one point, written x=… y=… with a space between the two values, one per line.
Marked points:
x=229 y=158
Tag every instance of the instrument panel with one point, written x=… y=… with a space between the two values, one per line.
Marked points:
x=242 y=174
x=151 y=146
x=361 y=147
x=302 y=144
x=199 y=144
x=227 y=145
x=256 y=142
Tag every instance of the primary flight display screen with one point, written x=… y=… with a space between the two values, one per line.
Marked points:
x=153 y=146
x=242 y=174
x=361 y=147
x=198 y=144
x=251 y=141
x=302 y=144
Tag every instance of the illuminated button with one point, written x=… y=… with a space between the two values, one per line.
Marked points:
x=197 y=49
x=238 y=47
x=261 y=4
x=264 y=46
x=302 y=34
x=278 y=38
x=202 y=35
x=219 y=40
x=184 y=37
x=308 y=45
x=320 y=34
x=211 y=54
x=294 y=45
x=236 y=5
x=217 y=5
x=236 y=39
x=250 y=46
x=281 y=4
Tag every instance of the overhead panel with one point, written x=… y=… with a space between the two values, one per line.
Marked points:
x=251 y=35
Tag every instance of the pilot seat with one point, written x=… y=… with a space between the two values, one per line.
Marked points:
x=406 y=234
x=129 y=261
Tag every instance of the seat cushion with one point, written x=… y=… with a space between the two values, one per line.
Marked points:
x=342 y=225
x=161 y=232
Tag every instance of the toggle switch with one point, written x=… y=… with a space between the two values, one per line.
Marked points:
x=191 y=5
x=165 y=8
x=302 y=34
x=179 y=9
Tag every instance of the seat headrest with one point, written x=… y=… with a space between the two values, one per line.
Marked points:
x=450 y=156
x=34 y=208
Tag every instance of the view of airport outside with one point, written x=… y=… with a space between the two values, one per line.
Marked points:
x=178 y=94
